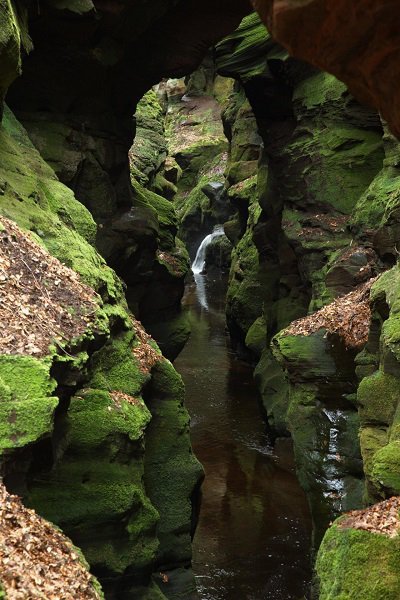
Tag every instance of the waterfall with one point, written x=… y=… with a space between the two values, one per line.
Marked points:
x=199 y=264
x=200 y=259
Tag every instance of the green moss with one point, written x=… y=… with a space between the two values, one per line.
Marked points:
x=248 y=280
x=114 y=367
x=386 y=290
x=377 y=397
x=192 y=205
x=131 y=419
x=379 y=201
x=149 y=150
x=256 y=337
x=336 y=162
x=318 y=90
x=172 y=334
x=149 y=107
x=306 y=356
x=354 y=564
x=26 y=404
x=171 y=470
x=242 y=170
x=385 y=472
x=94 y=491
x=13 y=36
x=242 y=54
x=38 y=202
x=160 y=212
x=274 y=389
x=372 y=439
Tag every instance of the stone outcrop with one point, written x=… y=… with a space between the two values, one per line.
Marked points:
x=312 y=236
x=359 y=555
x=359 y=44
x=78 y=90
x=198 y=153
x=313 y=178
x=100 y=455
x=326 y=221
x=95 y=481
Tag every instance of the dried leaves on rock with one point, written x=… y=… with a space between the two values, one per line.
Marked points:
x=380 y=518
x=348 y=316
x=144 y=352
x=41 y=300
x=119 y=397
x=36 y=560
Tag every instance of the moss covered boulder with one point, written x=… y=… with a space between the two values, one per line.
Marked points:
x=360 y=555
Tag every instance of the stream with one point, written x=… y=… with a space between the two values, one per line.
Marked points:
x=254 y=533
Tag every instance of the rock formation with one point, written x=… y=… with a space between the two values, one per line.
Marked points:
x=359 y=44
x=94 y=433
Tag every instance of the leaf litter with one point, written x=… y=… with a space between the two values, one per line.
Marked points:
x=380 y=518
x=41 y=300
x=144 y=352
x=36 y=559
x=348 y=316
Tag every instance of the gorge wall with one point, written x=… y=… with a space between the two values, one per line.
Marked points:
x=306 y=180
x=321 y=222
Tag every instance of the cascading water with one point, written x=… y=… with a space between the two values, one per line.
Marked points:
x=200 y=259
x=199 y=264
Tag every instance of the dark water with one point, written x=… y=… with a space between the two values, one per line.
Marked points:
x=253 y=537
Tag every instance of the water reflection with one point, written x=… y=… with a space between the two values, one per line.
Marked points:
x=253 y=537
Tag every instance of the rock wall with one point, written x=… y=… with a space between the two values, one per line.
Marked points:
x=93 y=481
x=95 y=436
x=326 y=195
x=314 y=179
x=360 y=46
x=91 y=64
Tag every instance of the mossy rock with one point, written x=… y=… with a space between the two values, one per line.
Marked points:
x=256 y=337
x=372 y=439
x=274 y=389
x=385 y=472
x=171 y=470
x=307 y=357
x=377 y=398
x=37 y=201
x=242 y=54
x=171 y=334
x=354 y=564
x=26 y=402
x=13 y=38
x=94 y=491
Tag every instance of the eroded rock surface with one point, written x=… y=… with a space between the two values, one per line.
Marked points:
x=360 y=44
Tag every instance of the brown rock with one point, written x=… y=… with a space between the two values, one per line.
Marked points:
x=359 y=42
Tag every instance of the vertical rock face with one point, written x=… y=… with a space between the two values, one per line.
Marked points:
x=106 y=453
x=13 y=40
x=79 y=458
x=311 y=237
x=359 y=44
x=326 y=223
x=76 y=96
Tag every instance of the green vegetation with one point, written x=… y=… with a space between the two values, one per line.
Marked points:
x=354 y=564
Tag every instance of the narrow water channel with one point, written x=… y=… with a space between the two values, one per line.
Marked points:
x=253 y=536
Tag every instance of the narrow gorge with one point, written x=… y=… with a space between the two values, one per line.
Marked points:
x=199 y=292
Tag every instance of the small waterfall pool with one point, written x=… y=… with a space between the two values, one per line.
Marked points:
x=253 y=536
